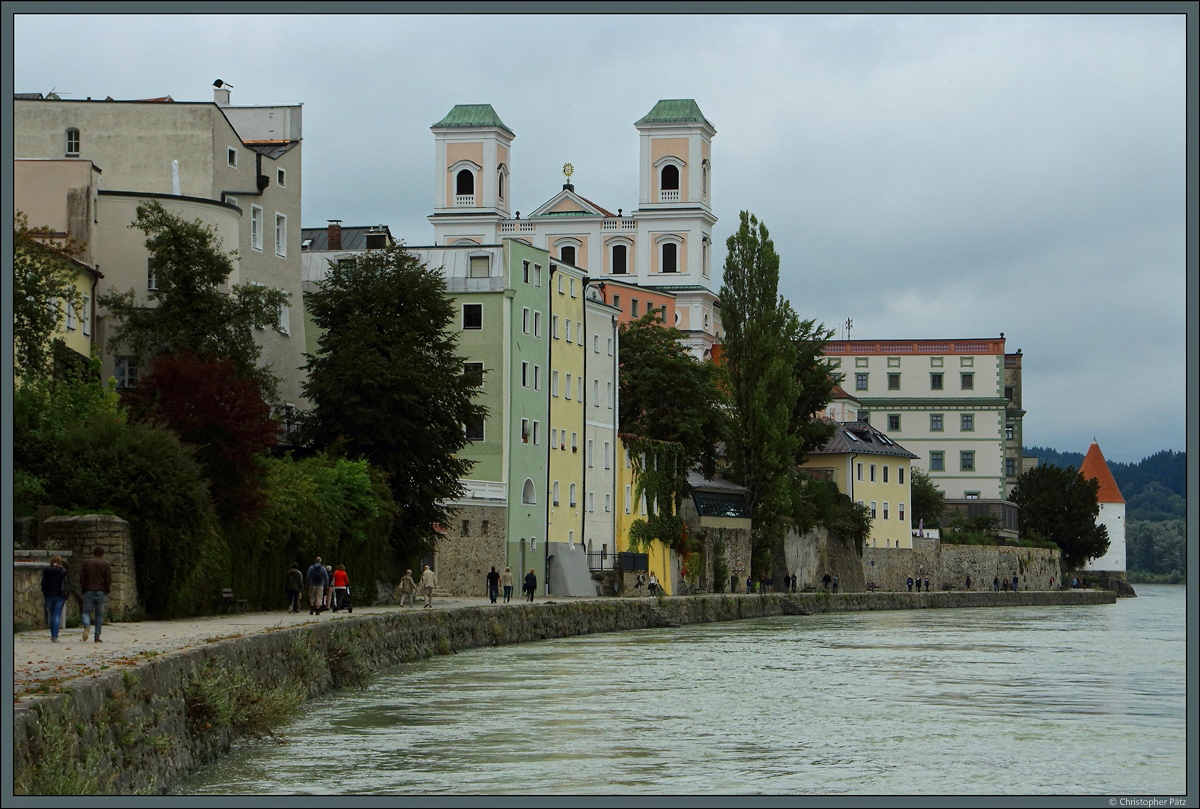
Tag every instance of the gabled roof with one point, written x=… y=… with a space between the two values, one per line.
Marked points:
x=471 y=116
x=579 y=206
x=354 y=237
x=863 y=439
x=675 y=111
x=1094 y=467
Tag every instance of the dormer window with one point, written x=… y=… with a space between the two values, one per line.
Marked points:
x=72 y=142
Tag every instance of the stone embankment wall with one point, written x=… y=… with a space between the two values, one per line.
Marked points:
x=141 y=729
x=947 y=566
x=809 y=556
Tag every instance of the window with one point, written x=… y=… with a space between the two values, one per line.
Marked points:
x=474 y=429
x=151 y=279
x=70 y=316
x=590 y=454
x=281 y=178
x=256 y=227
x=1009 y=432
x=571 y=494
x=893 y=362
x=524 y=374
x=620 y=262
x=567 y=254
x=560 y=283
x=231 y=158
x=935 y=362
x=285 y=312
x=72 y=142
x=571 y=286
x=553 y=438
x=537 y=324
x=885 y=509
x=479 y=267
x=634 y=308
x=967 y=362
x=607 y=455
x=537 y=275
x=617 y=302
x=525 y=271
x=127 y=372
x=610 y=346
x=670 y=257
x=968 y=422
x=937 y=461
x=280 y=235
x=574 y=442
x=862 y=362
x=885 y=473
x=874 y=510
x=537 y=377
x=567 y=387
x=500 y=185
x=935 y=381
x=966 y=461
x=554 y=383
x=568 y=325
x=86 y=315
x=595 y=392
x=537 y=432
x=607 y=502
x=860 y=381
x=591 y=502
x=473 y=374
x=608 y=387
x=472 y=316
x=554 y=326
x=466 y=528
x=935 y=422
x=670 y=178
x=894 y=422
x=970 y=495
x=554 y=494
x=526 y=431
x=579 y=388
x=627 y=499
x=872 y=473
x=900 y=512
x=528 y=492
x=860 y=471
x=1008 y=392
x=900 y=475
x=1010 y=467
x=893 y=381
x=464 y=183
x=968 y=381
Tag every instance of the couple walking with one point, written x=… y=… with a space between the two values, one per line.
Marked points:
x=95 y=583
x=497 y=580
x=408 y=586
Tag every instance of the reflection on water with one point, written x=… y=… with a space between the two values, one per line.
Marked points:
x=1062 y=700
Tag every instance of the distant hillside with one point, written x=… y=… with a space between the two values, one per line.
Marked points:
x=1167 y=468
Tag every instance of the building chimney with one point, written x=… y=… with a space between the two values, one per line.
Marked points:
x=221 y=93
x=335 y=234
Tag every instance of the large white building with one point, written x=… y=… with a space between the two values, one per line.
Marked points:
x=235 y=168
x=666 y=243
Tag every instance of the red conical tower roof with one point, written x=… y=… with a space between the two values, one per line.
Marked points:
x=1094 y=467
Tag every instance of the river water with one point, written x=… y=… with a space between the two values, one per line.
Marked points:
x=1022 y=700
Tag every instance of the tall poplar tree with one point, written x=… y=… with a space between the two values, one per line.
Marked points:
x=760 y=361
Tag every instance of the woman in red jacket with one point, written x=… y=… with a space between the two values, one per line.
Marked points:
x=341 y=589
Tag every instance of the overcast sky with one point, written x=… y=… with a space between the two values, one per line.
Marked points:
x=927 y=176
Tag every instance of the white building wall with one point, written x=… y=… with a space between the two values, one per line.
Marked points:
x=1112 y=517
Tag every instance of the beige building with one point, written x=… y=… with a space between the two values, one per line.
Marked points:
x=236 y=168
x=943 y=399
x=665 y=244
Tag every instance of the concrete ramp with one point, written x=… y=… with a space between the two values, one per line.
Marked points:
x=569 y=574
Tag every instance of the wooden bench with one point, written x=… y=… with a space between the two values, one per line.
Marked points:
x=872 y=587
x=229 y=601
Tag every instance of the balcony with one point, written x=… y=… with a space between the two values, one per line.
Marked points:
x=464 y=200
x=516 y=226
x=621 y=223
x=668 y=195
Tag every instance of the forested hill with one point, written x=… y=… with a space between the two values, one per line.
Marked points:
x=1154 y=488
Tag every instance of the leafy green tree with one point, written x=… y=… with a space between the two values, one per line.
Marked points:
x=813 y=386
x=192 y=314
x=667 y=395
x=44 y=285
x=1060 y=505
x=386 y=384
x=928 y=501
x=1155 y=503
x=760 y=362
x=1156 y=547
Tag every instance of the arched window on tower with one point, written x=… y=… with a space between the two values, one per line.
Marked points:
x=620 y=259
x=500 y=186
x=527 y=492
x=670 y=178
x=670 y=257
x=464 y=183
x=567 y=254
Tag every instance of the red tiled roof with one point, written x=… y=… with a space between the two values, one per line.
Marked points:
x=1094 y=467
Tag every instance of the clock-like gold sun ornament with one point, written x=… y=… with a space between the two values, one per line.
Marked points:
x=568 y=170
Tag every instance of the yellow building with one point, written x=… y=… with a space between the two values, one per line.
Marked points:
x=567 y=395
x=873 y=470
x=662 y=560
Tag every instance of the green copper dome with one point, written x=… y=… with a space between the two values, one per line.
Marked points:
x=472 y=115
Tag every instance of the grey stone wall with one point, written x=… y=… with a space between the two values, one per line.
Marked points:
x=948 y=566
x=138 y=726
x=809 y=556
x=737 y=555
x=474 y=542
x=80 y=535
x=28 y=604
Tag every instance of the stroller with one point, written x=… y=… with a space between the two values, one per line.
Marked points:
x=341 y=599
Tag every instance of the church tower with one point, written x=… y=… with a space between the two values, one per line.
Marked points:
x=471 y=167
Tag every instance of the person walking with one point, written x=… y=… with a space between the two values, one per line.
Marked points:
x=54 y=593
x=787 y=582
x=493 y=585
x=506 y=583
x=968 y=581
x=407 y=588
x=835 y=584
x=318 y=579
x=293 y=585
x=1014 y=582
x=95 y=581
x=341 y=589
x=826 y=581
x=530 y=583
x=653 y=584
x=428 y=582
x=794 y=580
x=910 y=581
x=995 y=584
x=927 y=584
x=749 y=585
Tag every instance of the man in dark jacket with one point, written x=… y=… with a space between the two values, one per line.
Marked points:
x=530 y=583
x=294 y=585
x=95 y=582
x=318 y=579
x=493 y=585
